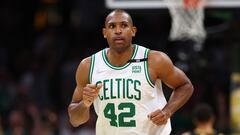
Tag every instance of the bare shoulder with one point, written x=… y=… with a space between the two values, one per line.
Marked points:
x=86 y=61
x=160 y=65
x=158 y=58
x=84 y=64
x=83 y=71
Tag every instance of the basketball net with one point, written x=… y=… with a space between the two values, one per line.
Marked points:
x=187 y=20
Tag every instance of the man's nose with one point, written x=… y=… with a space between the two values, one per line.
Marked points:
x=118 y=30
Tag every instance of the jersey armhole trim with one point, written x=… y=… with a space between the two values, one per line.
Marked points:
x=91 y=68
x=146 y=69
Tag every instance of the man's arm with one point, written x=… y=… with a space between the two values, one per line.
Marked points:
x=83 y=96
x=160 y=66
x=78 y=112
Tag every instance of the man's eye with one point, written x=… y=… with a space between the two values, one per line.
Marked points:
x=124 y=25
x=111 y=26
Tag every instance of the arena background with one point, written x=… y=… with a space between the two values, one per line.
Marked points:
x=43 y=41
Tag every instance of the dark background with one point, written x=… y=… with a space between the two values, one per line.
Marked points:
x=43 y=41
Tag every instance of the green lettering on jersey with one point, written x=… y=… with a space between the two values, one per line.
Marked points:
x=137 y=85
x=123 y=86
x=100 y=97
x=125 y=118
x=128 y=83
x=136 y=69
x=105 y=89
x=111 y=89
x=120 y=88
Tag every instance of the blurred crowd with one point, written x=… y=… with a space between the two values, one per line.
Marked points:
x=43 y=41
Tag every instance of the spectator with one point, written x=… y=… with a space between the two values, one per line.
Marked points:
x=203 y=119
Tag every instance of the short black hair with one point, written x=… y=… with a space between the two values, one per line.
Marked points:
x=119 y=11
x=202 y=113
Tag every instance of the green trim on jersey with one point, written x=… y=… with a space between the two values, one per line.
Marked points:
x=146 y=69
x=104 y=55
x=91 y=68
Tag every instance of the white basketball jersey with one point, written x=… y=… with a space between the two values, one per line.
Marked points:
x=127 y=96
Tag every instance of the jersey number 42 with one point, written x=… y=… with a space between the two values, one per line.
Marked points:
x=119 y=120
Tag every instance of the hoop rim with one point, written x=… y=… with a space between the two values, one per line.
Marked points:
x=193 y=4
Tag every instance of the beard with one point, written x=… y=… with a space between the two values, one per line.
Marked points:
x=120 y=48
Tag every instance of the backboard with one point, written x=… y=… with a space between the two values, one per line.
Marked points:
x=144 y=4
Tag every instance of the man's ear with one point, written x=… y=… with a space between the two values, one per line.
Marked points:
x=104 y=32
x=134 y=31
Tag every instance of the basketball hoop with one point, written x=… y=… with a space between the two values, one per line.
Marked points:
x=187 y=20
x=194 y=4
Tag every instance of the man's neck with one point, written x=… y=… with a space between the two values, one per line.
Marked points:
x=120 y=58
x=205 y=128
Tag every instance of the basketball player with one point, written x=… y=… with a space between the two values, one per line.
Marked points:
x=123 y=82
